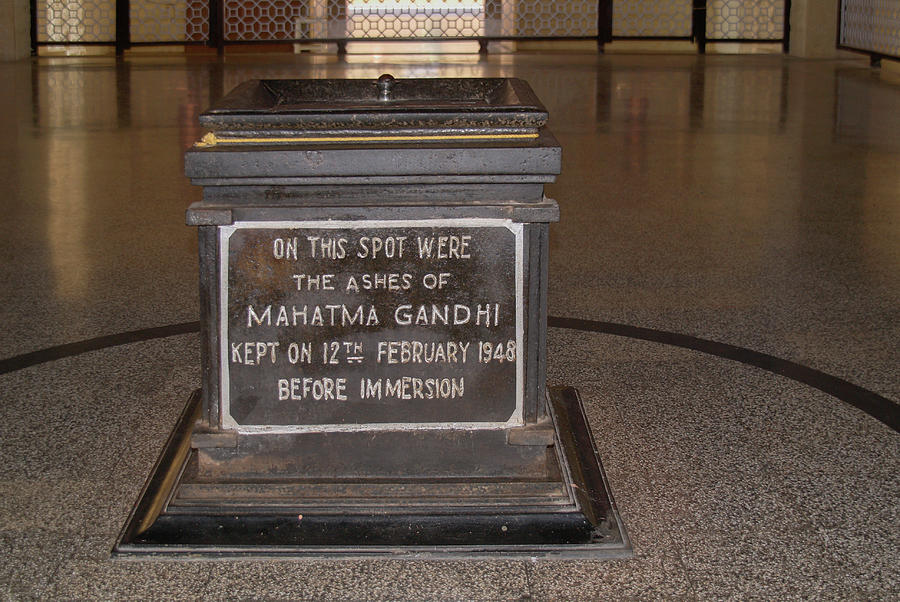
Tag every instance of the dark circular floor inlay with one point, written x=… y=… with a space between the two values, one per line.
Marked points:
x=880 y=408
x=50 y=354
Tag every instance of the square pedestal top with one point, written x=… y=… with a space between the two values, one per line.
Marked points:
x=344 y=107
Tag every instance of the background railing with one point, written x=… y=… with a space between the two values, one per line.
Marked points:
x=870 y=26
x=217 y=23
x=703 y=20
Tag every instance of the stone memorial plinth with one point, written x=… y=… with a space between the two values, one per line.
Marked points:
x=373 y=274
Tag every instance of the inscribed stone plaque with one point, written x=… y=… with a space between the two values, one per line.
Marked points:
x=339 y=325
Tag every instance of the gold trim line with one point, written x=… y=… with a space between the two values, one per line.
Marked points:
x=212 y=140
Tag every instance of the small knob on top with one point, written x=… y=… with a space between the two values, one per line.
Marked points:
x=385 y=84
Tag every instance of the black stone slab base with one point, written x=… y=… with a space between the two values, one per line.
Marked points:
x=590 y=529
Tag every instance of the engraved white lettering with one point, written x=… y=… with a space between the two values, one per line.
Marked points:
x=487 y=314
x=326 y=247
x=315 y=315
x=319 y=389
x=371 y=247
x=373 y=282
x=300 y=353
x=285 y=248
x=314 y=282
x=411 y=387
x=422 y=352
x=444 y=247
x=252 y=353
x=252 y=316
x=435 y=281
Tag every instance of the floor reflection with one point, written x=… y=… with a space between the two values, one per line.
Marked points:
x=697 y=155
x=67 y=215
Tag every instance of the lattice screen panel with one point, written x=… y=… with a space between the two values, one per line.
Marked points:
x=380 y=19
x=169 y=20
x=652 y=18
x=261 y=20
x=264 y=19
x=563 y=18
x=872 y=25
x=76 y=20
x=745 y=19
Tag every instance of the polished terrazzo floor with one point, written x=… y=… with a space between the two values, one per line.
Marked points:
x=748 y=200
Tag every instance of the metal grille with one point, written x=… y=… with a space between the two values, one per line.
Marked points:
x=538 y=18
x=76 y=20
x=745 y=20
x=169 y=20
x=380 y=19
x=264 y=19
x=257 y=20
x=652 y=18
x=471 y=18
x=872 y=25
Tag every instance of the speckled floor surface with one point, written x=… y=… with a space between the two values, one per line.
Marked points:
x=752 y=200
